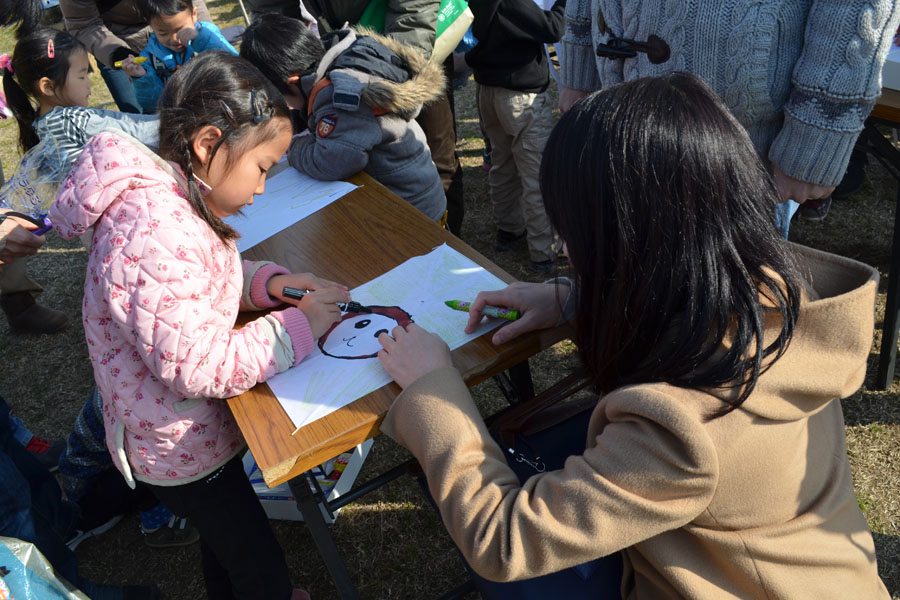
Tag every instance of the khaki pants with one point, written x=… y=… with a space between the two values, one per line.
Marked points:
x=14 y=278
x=518 y=125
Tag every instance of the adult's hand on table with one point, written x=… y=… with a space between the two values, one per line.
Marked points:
x=412 y=353
x=538 y=305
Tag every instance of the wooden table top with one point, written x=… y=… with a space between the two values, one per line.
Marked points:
x=353 y=240
x=887 y=106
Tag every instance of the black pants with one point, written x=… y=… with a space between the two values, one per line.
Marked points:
x=241 y=557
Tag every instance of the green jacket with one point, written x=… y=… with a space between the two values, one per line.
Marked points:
x=411 y=22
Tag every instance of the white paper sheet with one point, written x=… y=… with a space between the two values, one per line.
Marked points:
x=289 y=196
x=327 y=380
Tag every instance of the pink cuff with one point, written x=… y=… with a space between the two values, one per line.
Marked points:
x=258 y=294
x=297 y=326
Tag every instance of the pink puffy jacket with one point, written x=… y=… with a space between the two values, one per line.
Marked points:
x=161 y=296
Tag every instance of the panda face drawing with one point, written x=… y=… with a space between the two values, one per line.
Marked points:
x=355 y=336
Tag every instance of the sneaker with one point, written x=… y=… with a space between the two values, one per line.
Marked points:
x=505 y=240
x=177 y=532
x=815 y=210
x=544 y=267
x=486 y=163
x=854 y=176
x=46 y=452
x=82 y=534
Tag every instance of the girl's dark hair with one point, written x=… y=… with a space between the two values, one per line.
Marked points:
x=281 y=47
x=23 y=14
x=225 y=91
x=667 y=213
x=30 y=63
x=150 y=9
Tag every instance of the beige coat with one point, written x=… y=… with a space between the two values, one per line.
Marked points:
x=756 y=504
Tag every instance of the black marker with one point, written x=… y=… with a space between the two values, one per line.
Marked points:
x=350 y=307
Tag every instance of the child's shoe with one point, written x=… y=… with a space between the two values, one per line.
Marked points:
x=46 y=452
x=815 y=210
x=505 y=240
x=27 y=316
x=177 y=532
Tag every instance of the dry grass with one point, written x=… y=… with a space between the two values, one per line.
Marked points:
x=394 y=544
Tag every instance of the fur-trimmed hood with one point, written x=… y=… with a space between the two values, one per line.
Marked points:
x=388 y=76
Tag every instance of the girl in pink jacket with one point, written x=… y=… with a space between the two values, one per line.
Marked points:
x=163 y=289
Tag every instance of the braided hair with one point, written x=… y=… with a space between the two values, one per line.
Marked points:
x=229 y=93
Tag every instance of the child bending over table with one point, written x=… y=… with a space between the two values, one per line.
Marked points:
x=360 y=95
x=164 y=285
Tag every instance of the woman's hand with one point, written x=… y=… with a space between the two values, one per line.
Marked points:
x=537 y=303
x=412 y=353
x=132 y=68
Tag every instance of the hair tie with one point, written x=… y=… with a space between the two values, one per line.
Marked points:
x=260 y=108
x=6 y=63
x=51 y=49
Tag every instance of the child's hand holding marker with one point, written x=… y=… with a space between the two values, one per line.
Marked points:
x=132 y=65
x=319 y=300
x=539 y=305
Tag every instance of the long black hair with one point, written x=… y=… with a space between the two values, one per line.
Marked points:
x=31 y=61
x=281 y=47
x=227 y=92
x=667 y=213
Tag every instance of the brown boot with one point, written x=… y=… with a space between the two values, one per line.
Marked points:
x=27 y=316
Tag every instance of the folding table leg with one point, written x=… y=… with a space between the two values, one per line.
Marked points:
x=891 y=328
x=520 y=377
x=312 y=516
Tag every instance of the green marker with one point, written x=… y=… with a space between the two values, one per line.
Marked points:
x=498 y=312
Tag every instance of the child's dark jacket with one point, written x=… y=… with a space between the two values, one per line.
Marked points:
x=363 y=120
x=511 y=36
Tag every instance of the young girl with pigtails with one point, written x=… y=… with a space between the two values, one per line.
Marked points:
x=163 y=288
x=47 y=89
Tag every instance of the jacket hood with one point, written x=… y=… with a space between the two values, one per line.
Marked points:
x=391 y=77
x=828 y=354
x=100 y=175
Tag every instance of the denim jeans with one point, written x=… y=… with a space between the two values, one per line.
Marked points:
x=121 y=88
x=784 y=211
x=32 y=509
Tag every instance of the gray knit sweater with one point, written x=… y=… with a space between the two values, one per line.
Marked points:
x=800 y=75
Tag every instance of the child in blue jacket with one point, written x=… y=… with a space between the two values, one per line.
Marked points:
x=177 y=37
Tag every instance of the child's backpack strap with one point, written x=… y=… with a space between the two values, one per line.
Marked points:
x=346 y=94
x=162 y=71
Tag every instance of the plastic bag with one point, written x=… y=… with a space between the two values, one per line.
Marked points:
x=26 y=575
x=33 y=187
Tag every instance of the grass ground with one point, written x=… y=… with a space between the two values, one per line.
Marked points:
x=393 y=543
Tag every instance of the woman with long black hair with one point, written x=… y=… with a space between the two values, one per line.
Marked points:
x=715 y=458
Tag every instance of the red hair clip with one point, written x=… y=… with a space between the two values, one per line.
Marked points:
x=51 y=49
